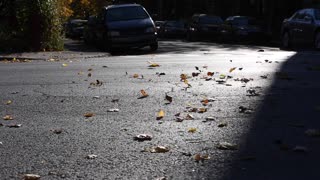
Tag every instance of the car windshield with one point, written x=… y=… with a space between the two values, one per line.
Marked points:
x=126 y=13
x=175 y=24
x=317 y=14
x=210 y=20
x=244 y=21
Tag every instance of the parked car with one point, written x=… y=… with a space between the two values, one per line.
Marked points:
x=122 y=26
x=74 y=28
x=173 y=29
x=302 y=28
x=204 y=26
x=243 y=28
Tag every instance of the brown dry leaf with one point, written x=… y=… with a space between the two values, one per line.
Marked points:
x=160 y=115
x=136 y=76
x=205 y=102
x=144 y=94
x=31 y=177
x=197 y=157
x=7 y=117
x=87 y=115
x=192 y=130
x=210 y=73
x=232 y=69
x=159 y=149
x=8 y=102
x=183 y=77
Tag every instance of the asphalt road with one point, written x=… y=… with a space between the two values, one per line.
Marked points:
x=263 y=104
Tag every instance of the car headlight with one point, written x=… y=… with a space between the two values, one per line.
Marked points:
x=150 y=30
x=114 y=33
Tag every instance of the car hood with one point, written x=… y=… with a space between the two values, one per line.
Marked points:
x=130 y=24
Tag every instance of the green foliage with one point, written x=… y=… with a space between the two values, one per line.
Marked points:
x=31 y=25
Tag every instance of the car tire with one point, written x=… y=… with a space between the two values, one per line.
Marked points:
x=286 y=41
x=154 y=46
x=317 y=41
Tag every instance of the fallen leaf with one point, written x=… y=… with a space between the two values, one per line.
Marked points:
x=7 y=117
x=152 y=64
x=222 y=76
x=195 y=74
x=90 y=69
x=14 y=125
x=252 y=92
x=143 y=137
x=113 y=110
x=8 y=102
x=87 y=115
x=115 y=100
x=192 y=130
x=202 y=110
x=199 y=157
x=232 y=69
x=260 y=50
x=210 y=118
x=160 y=115
x=210 y=73
x=31 y=177
x=205 y=102
x=226 y=146
x=189 y=117
x=57 y=131
x=91 y=156
x=179 y=119
x=135 y=76
x=220 y=125
x=159 y=149
x=183 y=77
x=313 y=132
x=96 y=97
x=89 y=74
x=197 y=68
x=64 y=65
x=169 y=98
x=144 y=94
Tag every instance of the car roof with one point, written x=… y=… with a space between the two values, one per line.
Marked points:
x=122 y=5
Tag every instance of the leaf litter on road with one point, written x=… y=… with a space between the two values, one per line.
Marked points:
x=227 y=146
x=7 y=117
x=157 y=149
x=199 y=157
x=144 y=94
x=8 y=102
x=91 y=156
x=88 y=115
x=160 y=114
x=31 y=177
x=143 y=137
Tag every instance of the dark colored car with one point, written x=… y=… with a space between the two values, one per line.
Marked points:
x=203 y=26
x=74 y=28
x=173 y=29
x=243 y=28
x=158 y=25
x=303 y=28
x=122 y=26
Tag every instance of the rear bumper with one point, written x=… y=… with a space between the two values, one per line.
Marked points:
x=132 y=41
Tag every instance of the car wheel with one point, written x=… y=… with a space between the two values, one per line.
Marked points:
x=317 y=41
x=286 y=41
x=154 y=47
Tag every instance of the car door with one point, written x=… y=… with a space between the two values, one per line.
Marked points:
x=307 y=26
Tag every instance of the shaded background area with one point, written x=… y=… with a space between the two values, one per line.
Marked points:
x=275 y=145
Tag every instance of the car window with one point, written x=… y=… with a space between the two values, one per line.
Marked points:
x=126 y=13
x=317 y=14
x=298 y=16
x=210 y=20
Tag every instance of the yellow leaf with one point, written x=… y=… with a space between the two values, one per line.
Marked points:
x=232 y=69
x=192 y=130
x=152 y=64
x=186 y=81
x=64 y=65
x=160 y=115
x=183 y=77
x=7 y=117
x=8 y=102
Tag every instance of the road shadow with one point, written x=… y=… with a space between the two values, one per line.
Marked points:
x=279 y=142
